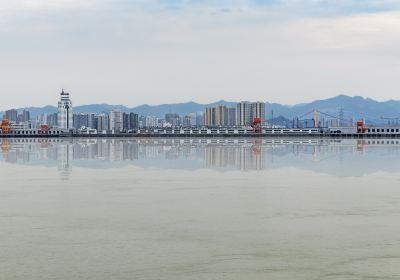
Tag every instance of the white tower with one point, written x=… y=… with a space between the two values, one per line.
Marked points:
x=65 y=118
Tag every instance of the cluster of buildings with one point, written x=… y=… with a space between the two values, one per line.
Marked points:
x=117 y=121
x=242 y=115
x=15 y=117
x=191 y=119
x=66 y=119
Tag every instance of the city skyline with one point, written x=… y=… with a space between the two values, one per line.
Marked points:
x=116 y=120
x=155 y=52
x=348 y=109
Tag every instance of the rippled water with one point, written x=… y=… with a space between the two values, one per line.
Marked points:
x=200 y=209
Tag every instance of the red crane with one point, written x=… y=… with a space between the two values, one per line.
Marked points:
x=256 y=125
x=44 y=129
x=361 y=127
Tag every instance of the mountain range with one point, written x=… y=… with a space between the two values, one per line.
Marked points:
x=356 y=107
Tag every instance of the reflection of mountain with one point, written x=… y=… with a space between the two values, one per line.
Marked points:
x=336 y=157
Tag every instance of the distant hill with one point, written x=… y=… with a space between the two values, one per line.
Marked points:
x=280 y=120
x=353 y=107
x=180 y=108
x=100 y=108
x=154 y=110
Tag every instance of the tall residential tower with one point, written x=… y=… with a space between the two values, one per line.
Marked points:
x=246 y=112
x=258 y=110
x=243 y=113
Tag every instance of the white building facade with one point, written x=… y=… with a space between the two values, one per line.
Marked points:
x=151 y=121
x=116 y=121
x=243 y=113
x=65 y=116
x=258 y=110
x=103 y=123
x=246 y=112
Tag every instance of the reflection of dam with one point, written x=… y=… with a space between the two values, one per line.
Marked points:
x=322 y=155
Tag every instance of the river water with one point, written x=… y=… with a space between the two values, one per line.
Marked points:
x=199 y=209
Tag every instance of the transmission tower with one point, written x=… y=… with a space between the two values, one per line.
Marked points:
x=341 y=116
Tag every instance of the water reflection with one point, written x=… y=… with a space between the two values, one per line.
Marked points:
x=343 y=157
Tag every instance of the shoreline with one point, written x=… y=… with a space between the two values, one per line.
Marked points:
x=247 y=135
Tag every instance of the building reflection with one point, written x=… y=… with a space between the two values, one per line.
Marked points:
x=247 y=156
x=64 y=159
x=222 y=154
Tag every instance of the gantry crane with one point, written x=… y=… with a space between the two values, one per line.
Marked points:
x=257 y=124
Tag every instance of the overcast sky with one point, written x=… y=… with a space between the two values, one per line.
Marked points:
x=133 y=52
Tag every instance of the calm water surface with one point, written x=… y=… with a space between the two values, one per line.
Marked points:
x=199 y=209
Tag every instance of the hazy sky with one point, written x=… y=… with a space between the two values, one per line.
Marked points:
x=152 y=51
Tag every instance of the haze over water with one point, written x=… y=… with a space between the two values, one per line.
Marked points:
x=199 y=209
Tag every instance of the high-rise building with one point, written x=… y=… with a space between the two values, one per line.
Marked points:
x=26 y=116
x=130 y=121
x=116 y=121
x=173 y=119
x=210 y=116
x=125 y=122
x=142 y=121
x=51 y=120
x=231 y=113
x=102 y=122
x=92 y=121
x=151 y=121
x=65 y=116
x=247 y=111
x=11 y=115
x=243 y=113
x=220 y=116
x=258 y=111
x=134 y=120
x=81 y=120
